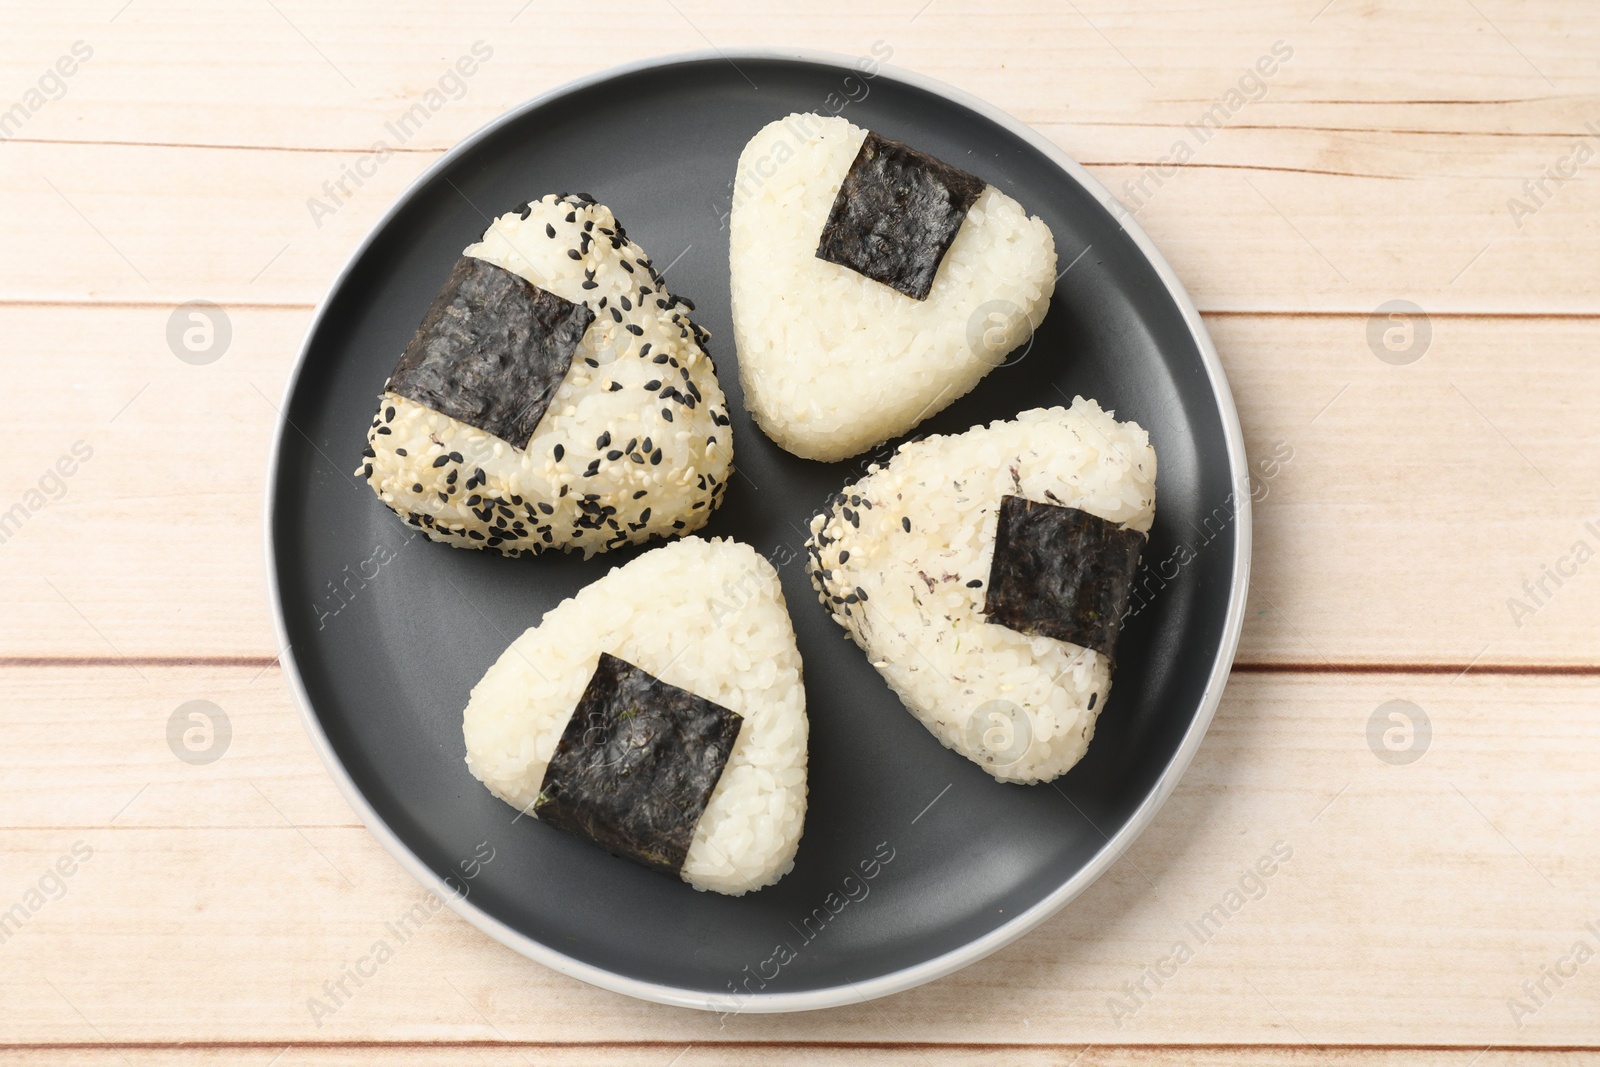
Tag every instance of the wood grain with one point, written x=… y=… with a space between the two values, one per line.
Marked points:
x=1384 y=491
x=221 y=897
x=1402 y=151
x=766 y=1054
x=97 y=222
x=1425 y=147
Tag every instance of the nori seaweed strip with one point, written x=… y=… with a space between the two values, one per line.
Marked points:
x=491 y=351
x=896 y=215
x=636 y=765
x=1061 y=572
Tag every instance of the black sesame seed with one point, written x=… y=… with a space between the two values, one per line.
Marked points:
x=456 y=457
x=603 y=440
x=559 y=452
x=549 y=230
x=653 y=384
x=383 y=430
x=615 y=386
x=614 y=455
x=635 y=329
x=905 y=523
x=441 y=461
x=666 y=413
x=661 y=358
x=573 y=253
x=655 y=457
x=616 y=316
x=844 y=556
x=399 y=451
x=591 y=285
x=546 y=508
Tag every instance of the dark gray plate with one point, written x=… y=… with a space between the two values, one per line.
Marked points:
x=386 y=634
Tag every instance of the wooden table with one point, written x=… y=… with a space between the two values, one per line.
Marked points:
x=1428 y=534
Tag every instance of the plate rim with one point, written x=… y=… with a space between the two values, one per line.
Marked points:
x=948 y=962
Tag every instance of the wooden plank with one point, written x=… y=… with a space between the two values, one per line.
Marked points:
x=327 y=76
x=1266 y=228
x=1409 y=905
x=1429 y=156
x=1399 y=492
x=653 y=1054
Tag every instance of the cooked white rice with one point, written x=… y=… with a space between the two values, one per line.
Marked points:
x=833 y=362
x=653 y=397
x=706 y=616
x=1023 y=708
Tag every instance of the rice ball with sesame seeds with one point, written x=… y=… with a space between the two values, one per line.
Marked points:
x=556 y=395
x=986 y=575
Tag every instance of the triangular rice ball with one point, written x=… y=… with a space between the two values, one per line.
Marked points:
x=660 y=713
x=872 y=284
